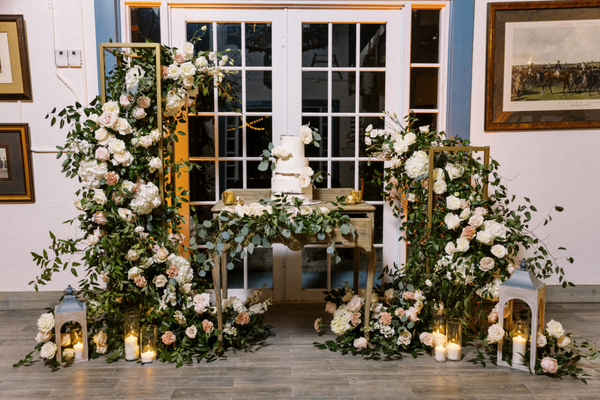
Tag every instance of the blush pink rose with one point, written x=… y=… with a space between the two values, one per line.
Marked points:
x=360 y=343
x=207 y=326
x=243 y=318
x=168 y=338
x=426 y=338
x=355 y=318
x=111 y=178
x=172 y=271
x=330 y=307
x=493 y=317
x=108 y=120
x=400 y=312
x=480 y=211
x=164 y=72
x=139 y=113
x=100 y=218
x=140 y=281
x=476 y=220
x=143 y=102
x=408 y=295
x=355 y=304
x=549 y=365
x=411 y=313
x=125 y=100
x=102 y=154
x=468 y=232
x=385 y=318
x=179 y=58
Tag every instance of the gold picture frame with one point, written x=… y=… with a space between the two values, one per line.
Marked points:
x=16 y=170
x=15 y=78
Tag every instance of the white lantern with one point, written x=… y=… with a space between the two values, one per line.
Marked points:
x=524 y=286
x=74 y=310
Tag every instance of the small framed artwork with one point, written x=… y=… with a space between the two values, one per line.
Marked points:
x=16 y=172
x=15 y=79
x=543 y=65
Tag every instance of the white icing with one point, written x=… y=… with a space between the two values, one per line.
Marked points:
x=287 y=172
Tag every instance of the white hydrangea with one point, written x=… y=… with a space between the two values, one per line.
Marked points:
x=341 y=320
x=146 y=198
x=132 y=78
x=91 y=173
x=417 y=164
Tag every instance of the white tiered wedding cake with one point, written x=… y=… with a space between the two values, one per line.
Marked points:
x=292 y=173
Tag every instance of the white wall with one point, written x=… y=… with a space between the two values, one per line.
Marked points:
x=557 y=167
x=25 y=226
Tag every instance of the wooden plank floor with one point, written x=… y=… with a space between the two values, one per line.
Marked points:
x=287 y=366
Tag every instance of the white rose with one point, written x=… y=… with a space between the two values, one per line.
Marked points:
x=43 y=336
x=306 y=134
x=485 y=238
x=65 y=339
x=187 y=69
x=452 y=203
x=495 y=333
x=305 y=210
x=440 y=187
x=410 y=138
x=128 y=185
x=108 y=120
x=424 y=129
x=553 y=327
x=132 y=255
x=111 y=107
x=116 y=146
x=454 y=170
x=173 y=71
x=510 y=268
x=124 y=158
x=308 y=171
x=160 y=281
x=400 y=146
x=101 y=134
x=404 y=338
x=486 y=264
x=48 y=350
x=125 y=214
x=368 y=141
x=201 y=62
x=462 y=245
x=188 y=82
x=464 y=215
x=155 y=164
x=133 y=273
x=438 y=174
x=499 y=251
x=451 y=220
x=450 y=248
x=45 y=322
x=417 y=164
x=563 y=341
x=428 y=283
x=541 y=340
x=68 y=354
x=191 y=331
x=146 y=141
x=186 y=288
x=99 y=196
x=476 y=220
x=188 y=50
x=123 y=126
x=139 y=113
x=304 y=181
x=156 y=135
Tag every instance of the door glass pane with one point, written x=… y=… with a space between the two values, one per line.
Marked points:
x=372 y=91
x=372 y=45
x=342 y=136
x=201 y=35
x=314 y=91
x=259 y=86
x=260 y=268
x=366 y=172
x=201 y=131
x=205 y=102
x=343 y=91
x=258 y=45
x=314 y=45
x=423 y=88
x=229 y=41
x=344 y=45
x=425 y=119
x=230 y=136
x=259 y=133
x=321 y=124
x=145 y=24
x=319 y=166
x=425 y=36
x=235 y=277
x=202 y=182
x=377 y=123
x=342 y=174
x=257 y=179
x=233 y=83
x=378 y=230
x=230 y=175
x=314 y=268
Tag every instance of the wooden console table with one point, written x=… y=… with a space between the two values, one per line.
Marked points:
x=361 y=217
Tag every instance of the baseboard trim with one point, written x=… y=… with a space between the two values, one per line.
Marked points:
x=41 y=300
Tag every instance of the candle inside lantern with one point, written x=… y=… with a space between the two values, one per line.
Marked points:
x=518 y=350
x=148 y=356
x=439 y=338
x=440 y=353
x=454 y=351
x=132 y=349
x=78 y=347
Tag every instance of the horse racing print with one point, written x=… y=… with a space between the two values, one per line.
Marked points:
x=543 y=66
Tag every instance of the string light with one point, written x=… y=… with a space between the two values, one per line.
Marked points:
x=249 y=125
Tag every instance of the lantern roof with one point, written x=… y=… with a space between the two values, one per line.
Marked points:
x=70 y=302
x=523 y=278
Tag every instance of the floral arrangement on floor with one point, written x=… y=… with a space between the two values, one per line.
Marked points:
x=134 y=258
x=470 y=246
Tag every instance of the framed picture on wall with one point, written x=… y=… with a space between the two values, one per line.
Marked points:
x=15 y=80
x=16 y=172
x=543 y=65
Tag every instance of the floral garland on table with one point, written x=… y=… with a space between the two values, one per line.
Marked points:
x=237 y=231
x=472 y=241
x=132 y=249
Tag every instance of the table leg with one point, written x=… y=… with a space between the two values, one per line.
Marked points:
x=356 y=252
x=372 y=263
x=216 y=271
x=224 y=274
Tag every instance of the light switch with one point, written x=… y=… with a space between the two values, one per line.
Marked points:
x=75 y=58
x=61 y=58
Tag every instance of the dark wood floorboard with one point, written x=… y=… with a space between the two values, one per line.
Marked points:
x=287 y=366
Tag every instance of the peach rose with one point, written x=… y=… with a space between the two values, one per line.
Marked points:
x=100 y=218
x=111 y=178
x=400 y=312
x=179 y=58
x=172 y=272
x=207 y=326
x=355 y=318
x=164 y=72
x=330 y=307
x=168 y=338
x=385 y=318
x=140 y=281
x=408 y=295
x=242 y=319
x=468 y=232
x=549 y=365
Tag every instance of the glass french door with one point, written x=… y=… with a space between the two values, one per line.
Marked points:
x=335 y=69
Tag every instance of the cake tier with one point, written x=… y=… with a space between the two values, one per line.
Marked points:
x=294 y=144
x=288 y=185
x=292 y=165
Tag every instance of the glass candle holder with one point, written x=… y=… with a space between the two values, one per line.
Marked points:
x=148 y=343
x=131 y=335
x=77 y=342
x=520 y=336
x=454 y=338
x=439 y=328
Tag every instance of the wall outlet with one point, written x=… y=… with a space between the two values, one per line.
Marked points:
x=61 y=58
x=74 y=58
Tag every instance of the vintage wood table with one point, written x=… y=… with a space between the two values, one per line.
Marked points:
x=361 y=217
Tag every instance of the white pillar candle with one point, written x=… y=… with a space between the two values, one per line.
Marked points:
x=519 y=346
x=78 y=347
x=453 y=351
x=439 y=339
x=132 y=349
x=148 y=356
x=440 y=353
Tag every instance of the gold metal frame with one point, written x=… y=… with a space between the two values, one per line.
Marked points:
x=102 y=47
